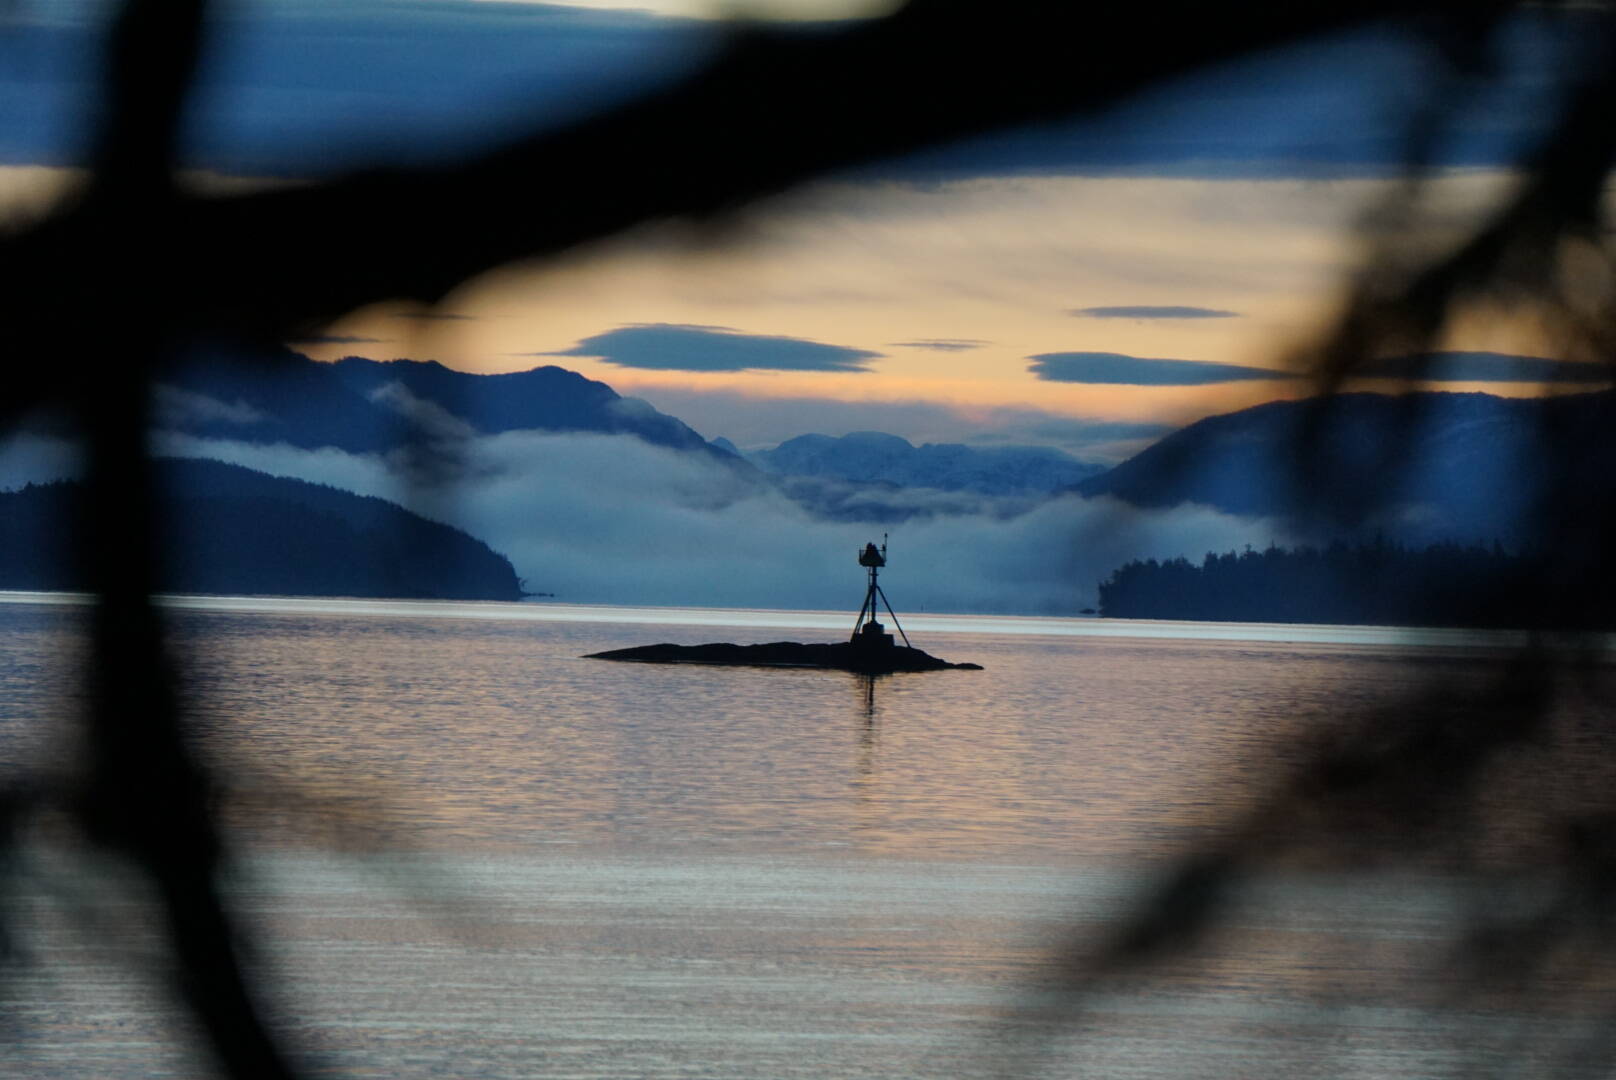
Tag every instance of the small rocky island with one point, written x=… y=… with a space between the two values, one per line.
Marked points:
x=870 y=651
x=840 y=656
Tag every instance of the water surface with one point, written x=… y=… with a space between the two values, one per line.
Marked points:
x=475 y=854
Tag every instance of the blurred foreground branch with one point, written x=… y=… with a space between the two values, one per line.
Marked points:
x=773 y=110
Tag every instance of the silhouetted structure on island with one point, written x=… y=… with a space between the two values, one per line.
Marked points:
x=867 y=632
x=869 y=651
x=1379 y=584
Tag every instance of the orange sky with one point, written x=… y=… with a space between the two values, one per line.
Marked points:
x=998 y=261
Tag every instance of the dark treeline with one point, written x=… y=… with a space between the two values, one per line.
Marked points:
x=1381 y=583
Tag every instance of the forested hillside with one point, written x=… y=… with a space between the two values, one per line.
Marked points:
x=244 y=532
x=1380 y=584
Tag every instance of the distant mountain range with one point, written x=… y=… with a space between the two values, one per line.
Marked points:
x=1422 y=467
x=873 y=457
x=1416 y=468
x=366 y=406
x=238 y=531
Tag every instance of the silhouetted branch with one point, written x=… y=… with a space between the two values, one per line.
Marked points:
x=774 y=109
x=145 y=796
x=1518 y=256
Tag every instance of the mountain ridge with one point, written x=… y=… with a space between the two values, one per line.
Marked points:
x=1425 y=466
x=352 y=404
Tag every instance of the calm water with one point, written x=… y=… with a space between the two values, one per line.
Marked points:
x=474 y=854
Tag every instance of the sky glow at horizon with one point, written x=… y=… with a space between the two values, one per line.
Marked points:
x=1223 y=240
x=1004 y=266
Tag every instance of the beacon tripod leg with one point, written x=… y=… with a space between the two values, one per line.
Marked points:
x=883 y=595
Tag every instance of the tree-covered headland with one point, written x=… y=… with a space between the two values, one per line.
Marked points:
x=1380 y=583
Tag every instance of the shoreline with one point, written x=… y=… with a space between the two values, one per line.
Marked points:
x=765 y=618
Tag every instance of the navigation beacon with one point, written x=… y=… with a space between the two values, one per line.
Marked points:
x=867 y=632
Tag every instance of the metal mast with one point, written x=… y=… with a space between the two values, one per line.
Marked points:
x=873 y=560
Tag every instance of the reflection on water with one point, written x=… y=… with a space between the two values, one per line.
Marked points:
x=562 y=866
x=496 y=734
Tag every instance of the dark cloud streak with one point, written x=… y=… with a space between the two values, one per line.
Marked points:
x=337 y=339
x=1117 y=369
x=940 y=344
x=1150 y=311
x=676 y=347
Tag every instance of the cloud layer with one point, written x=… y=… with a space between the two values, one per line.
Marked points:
x=337 y=339
x=1117 y=369
x=679 y=347
x=1153 y=311
x=611 y=519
